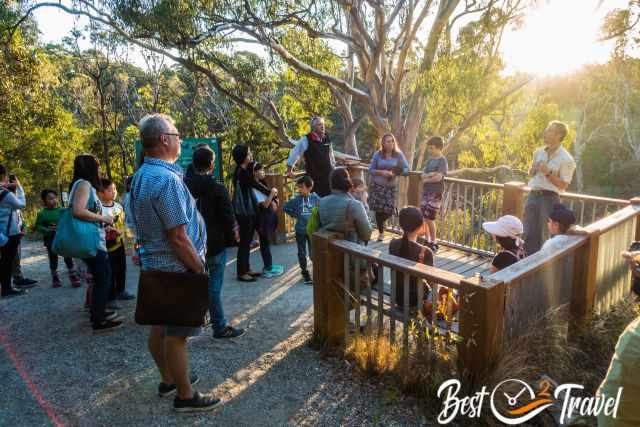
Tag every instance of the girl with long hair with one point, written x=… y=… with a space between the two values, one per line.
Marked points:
x=86 y=206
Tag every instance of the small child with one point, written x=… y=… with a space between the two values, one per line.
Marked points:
x=300 y=208
x=267 y=220
x=115 y=242
x=506 y=232
x=46 y=223
x=359 y=192
x=412 y=224
x=433 y=179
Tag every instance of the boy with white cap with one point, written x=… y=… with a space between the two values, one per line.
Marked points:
x=506 y=232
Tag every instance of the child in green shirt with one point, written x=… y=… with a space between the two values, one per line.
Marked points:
x=46 y=223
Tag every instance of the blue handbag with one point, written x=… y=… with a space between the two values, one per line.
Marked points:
x=76 y=238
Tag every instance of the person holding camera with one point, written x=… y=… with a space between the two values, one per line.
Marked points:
x=12 y=199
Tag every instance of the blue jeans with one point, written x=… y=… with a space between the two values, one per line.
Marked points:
x=302 y=240
x=216 y=265
x=100 y=269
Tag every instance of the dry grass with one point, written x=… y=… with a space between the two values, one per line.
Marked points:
x=547 y=349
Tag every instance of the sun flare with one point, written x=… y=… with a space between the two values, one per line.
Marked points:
x=558 y=37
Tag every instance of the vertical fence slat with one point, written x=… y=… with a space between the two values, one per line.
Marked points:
x=356 y=303
x=473 y=215
x=380 y=300
x=392 y=303
x=465 y=234
x=369 y=302
x=405 y=318
x=479 y=221
x=347 y=295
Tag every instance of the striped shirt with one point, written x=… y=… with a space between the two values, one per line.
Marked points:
x=160 y=201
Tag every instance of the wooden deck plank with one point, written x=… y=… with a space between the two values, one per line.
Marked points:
x=450 y=259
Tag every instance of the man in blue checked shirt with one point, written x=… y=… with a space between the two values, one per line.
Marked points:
x=172 y=238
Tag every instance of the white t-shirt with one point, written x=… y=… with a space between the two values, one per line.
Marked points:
x=561 y=164
x=113 y=211
x=556 y=242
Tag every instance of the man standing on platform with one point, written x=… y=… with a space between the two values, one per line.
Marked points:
x=552 y=171
x=319 y=160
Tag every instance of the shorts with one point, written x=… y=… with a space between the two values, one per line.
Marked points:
x=181 y=331
x=430 y=205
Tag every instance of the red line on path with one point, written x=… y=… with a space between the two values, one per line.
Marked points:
x=33 y=388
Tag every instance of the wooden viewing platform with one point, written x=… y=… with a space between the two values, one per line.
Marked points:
x=586 y=274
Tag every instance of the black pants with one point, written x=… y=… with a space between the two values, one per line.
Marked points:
x=302 y=240
x=321 y=185
x=118 y=262
x=265 y=251
x=53 y=257
x=101 y=271
x=7 y=258
x=53 y=260
x=247 y=226
x=381 y=218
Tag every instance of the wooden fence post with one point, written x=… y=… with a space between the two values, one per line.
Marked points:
x=635 y=202
x=583 y=288
x=513 y=199
x=278 y=182
x=414 y=189
x=482 y=311
x=329 y=321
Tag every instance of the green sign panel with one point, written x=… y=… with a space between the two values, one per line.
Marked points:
x=188 y=146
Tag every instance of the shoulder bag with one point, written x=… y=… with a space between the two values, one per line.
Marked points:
x=76 y=238
x=170 y=298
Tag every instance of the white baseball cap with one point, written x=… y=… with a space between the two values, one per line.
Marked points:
x=505 y=226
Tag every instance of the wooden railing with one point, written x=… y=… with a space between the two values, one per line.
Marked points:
x=586 y=273
x=466 y=205
x=347 y=299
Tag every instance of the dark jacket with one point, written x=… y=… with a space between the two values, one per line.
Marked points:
x=214 y=205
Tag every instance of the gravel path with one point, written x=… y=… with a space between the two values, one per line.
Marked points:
x=54 y=371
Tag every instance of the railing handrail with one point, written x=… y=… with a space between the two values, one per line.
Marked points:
x=538 y=260
x=432 y=274
x=607 y=223
x=565 y=195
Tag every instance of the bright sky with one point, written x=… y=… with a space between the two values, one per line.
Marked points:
x=558 y=36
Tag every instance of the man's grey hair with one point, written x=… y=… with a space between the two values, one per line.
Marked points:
x=152 y=126
x=315 y=120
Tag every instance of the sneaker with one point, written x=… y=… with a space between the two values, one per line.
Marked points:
x=112 y=305
x=229 y=332
x=198 y=403
x=75 y=281
x=246 y=278
x=125 y=296
x=254 y=274
x=113 y=316
x=55 y=281
x=306 y=278
x=24 y=282
x=275 y=271
x=13 y=293
x=165 y=390
x=107 y=326
x=380 y=237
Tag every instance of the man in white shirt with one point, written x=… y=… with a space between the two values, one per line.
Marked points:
x=552 y=170
x=319 y=159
